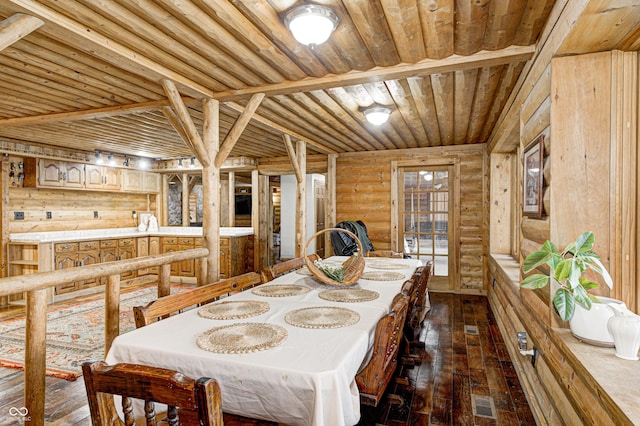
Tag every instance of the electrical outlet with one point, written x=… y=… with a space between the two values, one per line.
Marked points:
x=95 y=214
x=18 y=215
x=48 y=215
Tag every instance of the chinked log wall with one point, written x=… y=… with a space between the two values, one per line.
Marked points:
x=36 y=286
x=364 y=188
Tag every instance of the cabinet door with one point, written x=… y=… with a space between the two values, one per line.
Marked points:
x=132 y=180
x=175 y=267
x=74 y=175
x=112 y=178
x=50 y=173
x=151 y=182
x=225 y=258
x=109 y=254
x=142 y=247
x=64 y=261
x=127 y=252
x=93 y=177
x=88 y=258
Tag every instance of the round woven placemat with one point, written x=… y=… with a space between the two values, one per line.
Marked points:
x=280 y=290
x=322 y=317
x=241 y=338
x=235 y=309
x=382 y=276
x=349 y=295
x=387 y=265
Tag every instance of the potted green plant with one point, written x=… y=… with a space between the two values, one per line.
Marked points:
x=567 y=268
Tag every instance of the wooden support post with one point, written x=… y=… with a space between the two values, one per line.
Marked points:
x=185 y=200
x=4 y=215
x=165 y=200
x=210 y=189
x=330 y=201
x=264 y=245
x=111 y=311
x=232 y=199
x=301 y=198
x=164 y=280
x=35 y=363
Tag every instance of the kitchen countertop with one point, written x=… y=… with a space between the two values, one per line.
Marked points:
x=92 y=234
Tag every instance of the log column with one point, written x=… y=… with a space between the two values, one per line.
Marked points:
x=210 y=185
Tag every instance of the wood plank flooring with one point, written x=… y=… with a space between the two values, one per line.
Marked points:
x=457 y=367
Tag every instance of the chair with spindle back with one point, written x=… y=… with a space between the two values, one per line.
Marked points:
x=175 y=303
x=271 y=272
x=374 y=377
x=189 y=401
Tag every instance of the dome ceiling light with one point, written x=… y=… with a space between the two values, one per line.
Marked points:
x=311 y=24
x=377 y=114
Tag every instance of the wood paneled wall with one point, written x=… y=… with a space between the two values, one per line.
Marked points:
x=363 y=192
x=73 y=209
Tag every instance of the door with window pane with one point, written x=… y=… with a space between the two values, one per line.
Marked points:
x=425 y=195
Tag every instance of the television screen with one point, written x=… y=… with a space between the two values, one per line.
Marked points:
x=243 y=204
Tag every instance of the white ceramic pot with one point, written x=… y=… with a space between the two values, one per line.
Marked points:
x=624 y=326
x=590 y=326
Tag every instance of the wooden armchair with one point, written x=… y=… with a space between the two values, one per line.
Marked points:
x=271 y=272
x=175 y=303
x=373 y=379
x=422 y=306
x=189 y=401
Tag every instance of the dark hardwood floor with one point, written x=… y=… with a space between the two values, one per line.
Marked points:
x=464 y=360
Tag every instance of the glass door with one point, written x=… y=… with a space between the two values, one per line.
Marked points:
x=424 y=212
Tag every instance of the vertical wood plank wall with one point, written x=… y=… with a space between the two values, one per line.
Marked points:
x=363 y=192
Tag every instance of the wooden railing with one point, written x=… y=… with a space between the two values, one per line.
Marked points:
x=36 y=285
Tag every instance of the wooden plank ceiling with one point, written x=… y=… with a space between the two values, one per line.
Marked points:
x=90 y=78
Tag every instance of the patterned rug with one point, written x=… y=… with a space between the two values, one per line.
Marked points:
x=74 y=334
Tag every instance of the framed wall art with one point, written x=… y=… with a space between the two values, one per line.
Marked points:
x=532 y=182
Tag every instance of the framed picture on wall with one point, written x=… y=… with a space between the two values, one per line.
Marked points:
x=532 y=183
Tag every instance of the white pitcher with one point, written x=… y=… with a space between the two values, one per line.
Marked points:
x=624 y=326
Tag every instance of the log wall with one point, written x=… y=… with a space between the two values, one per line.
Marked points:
x=73 y=209
x=364 y=188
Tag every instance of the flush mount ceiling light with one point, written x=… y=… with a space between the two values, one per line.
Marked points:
x=311 y=24
x=377 y=114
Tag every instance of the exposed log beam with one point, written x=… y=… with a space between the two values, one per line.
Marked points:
x=426 y=67
x=292 y=157
x=16 y=27
x=90 y=114
x=97 y=44
x=237 y=129
x=186 y=121
x=283 y=129
x=177 y=125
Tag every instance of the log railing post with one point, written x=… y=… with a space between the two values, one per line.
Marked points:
x=164 y=280
x=111 y=311
x=35 y=357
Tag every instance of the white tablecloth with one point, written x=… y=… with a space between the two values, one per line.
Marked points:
x=309 y=379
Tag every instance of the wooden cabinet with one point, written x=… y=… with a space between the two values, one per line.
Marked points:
x=140 y=181
x=60 y=174
x=127 y=250
x=102 y=177
x=170 y=245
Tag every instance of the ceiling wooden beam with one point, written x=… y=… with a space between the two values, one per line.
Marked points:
x=426 y=67
x=97 y=44
x=175 y=122
x=293 y=158
x=186 y=122
x=105 y=112
x=238 y=127
x=16 y=27
x=263 y=120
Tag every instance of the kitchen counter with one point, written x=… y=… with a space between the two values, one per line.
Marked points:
x=91 y=234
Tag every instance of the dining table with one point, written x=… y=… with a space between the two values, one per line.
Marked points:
x=286 y=351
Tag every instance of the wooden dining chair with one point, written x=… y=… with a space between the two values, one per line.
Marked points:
x=176 y=303
x=271 y=272
x=385 y=253
x=189 y=401
x=422 y=305
x=373 y=379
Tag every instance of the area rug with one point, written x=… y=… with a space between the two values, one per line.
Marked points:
x=74 y=333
